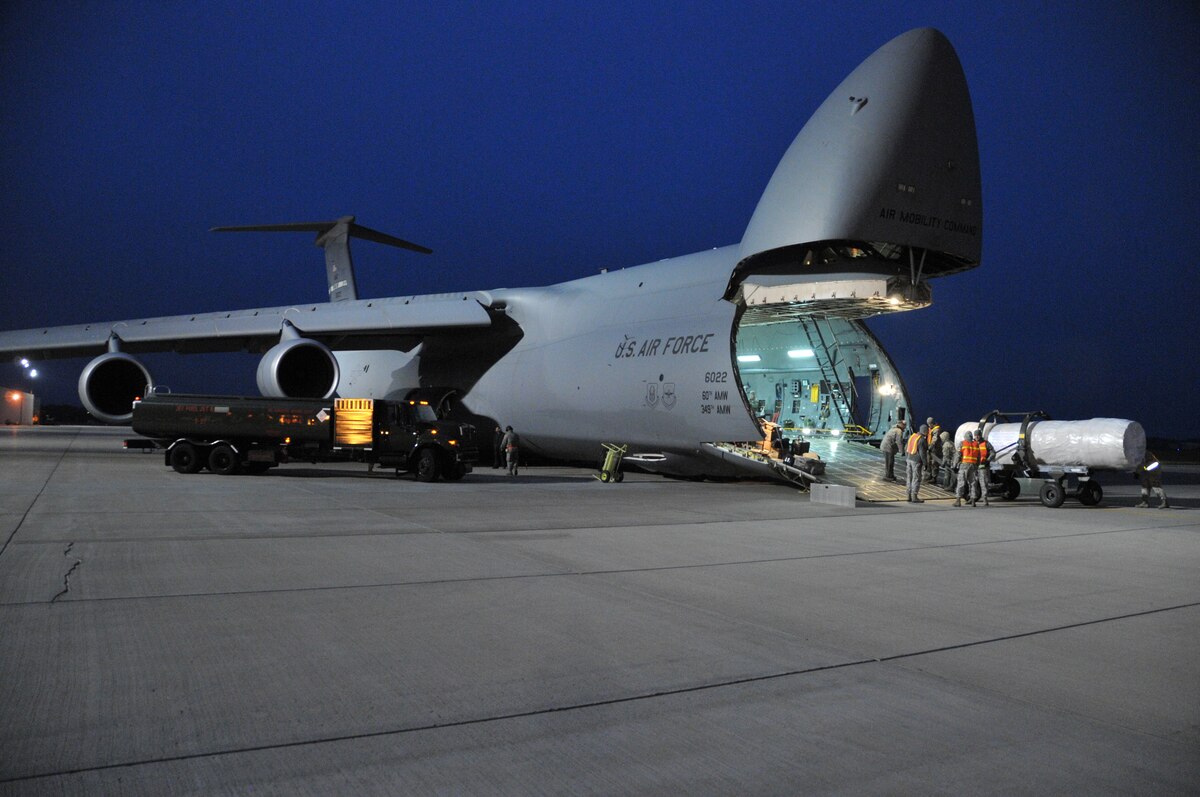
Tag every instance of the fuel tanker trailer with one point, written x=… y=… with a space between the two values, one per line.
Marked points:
x=1056 y=458
x=249 y=434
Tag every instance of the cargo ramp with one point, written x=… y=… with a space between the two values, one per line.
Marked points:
x=847 y=462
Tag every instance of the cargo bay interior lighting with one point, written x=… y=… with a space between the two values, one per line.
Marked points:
x=749 y=358
x=797 y=354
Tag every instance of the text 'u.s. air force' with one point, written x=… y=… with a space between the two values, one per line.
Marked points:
x=658 y=347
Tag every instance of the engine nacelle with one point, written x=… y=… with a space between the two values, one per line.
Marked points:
x=111 y=383
x=298 y=368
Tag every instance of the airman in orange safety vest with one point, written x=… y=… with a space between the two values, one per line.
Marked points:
x=968 y=464
x=915 y=451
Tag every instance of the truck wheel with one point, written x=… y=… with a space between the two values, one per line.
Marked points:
x=223 y=460
x=1090 y=493
x=1053 y=495
x=1012 y=488
x=185 y=458
x=427 y=465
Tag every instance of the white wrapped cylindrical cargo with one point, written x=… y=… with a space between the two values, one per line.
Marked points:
x=1100 y=443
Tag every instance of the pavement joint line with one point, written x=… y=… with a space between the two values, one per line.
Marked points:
x=607 y=572
x=583 y=706
x=421 y=529
x=62 y=455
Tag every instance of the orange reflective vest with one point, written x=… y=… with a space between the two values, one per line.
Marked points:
x=970 y=452
x=982 y=448
x=914 y=440
x=934 y=431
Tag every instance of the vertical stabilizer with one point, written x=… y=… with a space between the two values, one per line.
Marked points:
x=334 y=237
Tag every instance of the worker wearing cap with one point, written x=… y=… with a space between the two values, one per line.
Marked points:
x=890 y=447
x=947 y=446
x=933 y=450
x=1150 y=475
x=983 y=471
x=915 y=451
x=968 y=464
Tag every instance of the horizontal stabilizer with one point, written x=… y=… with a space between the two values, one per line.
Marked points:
x=322 y=227
x=334 y=237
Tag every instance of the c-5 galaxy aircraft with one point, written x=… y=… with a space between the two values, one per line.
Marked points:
x=878 y=194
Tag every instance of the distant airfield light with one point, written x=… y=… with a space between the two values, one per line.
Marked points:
x=33 y=373
x=796 y=354
x=749 y=358
x=24 y=363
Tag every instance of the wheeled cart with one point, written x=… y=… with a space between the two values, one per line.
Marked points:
x=1052 y=489
x=1015 y=468
x=610 y=471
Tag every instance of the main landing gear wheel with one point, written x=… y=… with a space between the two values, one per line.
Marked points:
x=427 y=466
x=1053 y=495
x=1090 y=493
x=223 y=460
x=185 y=458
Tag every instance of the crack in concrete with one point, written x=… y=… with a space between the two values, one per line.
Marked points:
x=29 y=508
x=67 y=580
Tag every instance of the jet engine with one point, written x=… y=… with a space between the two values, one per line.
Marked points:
x=109 y=385
x=298 y=368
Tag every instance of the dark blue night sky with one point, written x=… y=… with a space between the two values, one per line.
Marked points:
x=533 y=143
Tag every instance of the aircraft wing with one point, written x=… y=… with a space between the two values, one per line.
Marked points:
x=333 y=323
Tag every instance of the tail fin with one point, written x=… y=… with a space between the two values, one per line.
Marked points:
x=334 y=237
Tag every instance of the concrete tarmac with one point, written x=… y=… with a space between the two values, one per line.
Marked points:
x=323 y=630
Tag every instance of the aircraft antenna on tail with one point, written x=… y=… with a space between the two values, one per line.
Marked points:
x=334 y=237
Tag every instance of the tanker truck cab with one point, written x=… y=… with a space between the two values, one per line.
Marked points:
x=409 y=436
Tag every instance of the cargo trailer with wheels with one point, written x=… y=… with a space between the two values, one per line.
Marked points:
x=1055 y=460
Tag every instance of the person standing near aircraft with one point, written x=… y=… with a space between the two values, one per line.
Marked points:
x=983 y=469
x=497 y=447
x=1150 y=475
x=511 y=443
x=915 y=453
x=947 y=446
x=890 y=447
x=968 y=463
x=932 y=458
